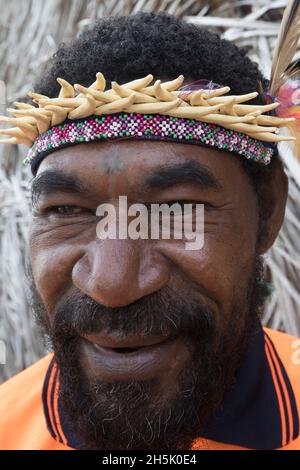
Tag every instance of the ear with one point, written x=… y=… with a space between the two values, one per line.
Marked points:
x=273 y=195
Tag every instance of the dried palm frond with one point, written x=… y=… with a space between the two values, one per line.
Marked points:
x=30 y=32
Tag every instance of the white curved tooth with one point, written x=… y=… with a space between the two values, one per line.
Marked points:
x=67 y=90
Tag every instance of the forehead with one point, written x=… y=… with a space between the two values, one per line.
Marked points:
x=137 y=159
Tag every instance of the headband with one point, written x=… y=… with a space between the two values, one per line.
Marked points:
x=122 y=126
x=199 y=113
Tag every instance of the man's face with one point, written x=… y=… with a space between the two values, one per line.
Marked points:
x=183 y=316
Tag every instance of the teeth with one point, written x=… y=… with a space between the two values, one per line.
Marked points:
x=124 y=350
x=118 y=350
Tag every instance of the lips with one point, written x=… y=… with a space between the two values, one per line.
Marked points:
x=124 y=344
x=114 y=357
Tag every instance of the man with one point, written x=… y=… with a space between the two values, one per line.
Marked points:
x=155 y=346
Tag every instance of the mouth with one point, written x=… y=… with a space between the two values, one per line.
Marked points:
x=120 y=350
x=119 y=358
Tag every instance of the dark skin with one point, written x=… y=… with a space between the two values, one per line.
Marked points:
x=66 y=254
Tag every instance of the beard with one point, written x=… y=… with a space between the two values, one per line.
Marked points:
x=137 y=414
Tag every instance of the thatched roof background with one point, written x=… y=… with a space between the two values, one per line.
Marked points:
x=30 y=31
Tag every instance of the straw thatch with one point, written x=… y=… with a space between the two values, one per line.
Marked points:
x=30 y=31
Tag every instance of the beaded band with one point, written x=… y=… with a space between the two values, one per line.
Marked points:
x=146 y=126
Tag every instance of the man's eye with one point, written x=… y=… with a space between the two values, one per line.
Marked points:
x=66 y=210
x=188 y=204
x=182 y=203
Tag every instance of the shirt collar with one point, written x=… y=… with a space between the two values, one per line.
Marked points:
x=259 y=412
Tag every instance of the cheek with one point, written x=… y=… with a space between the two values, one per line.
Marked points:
x=54 y=250
x=52 y=268
x=221 y=270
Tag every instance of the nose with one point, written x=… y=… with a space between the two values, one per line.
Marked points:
x=118 y=272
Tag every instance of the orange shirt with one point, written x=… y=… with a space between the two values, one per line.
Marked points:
x=262 y=411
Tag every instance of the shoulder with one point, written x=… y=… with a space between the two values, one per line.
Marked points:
x=17 y=388
x=287 y=346
x=22 y=422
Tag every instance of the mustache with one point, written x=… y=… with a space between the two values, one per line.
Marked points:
x=160 y=313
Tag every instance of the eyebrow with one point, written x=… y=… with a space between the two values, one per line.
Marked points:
x=51 y=181
x=188 y=172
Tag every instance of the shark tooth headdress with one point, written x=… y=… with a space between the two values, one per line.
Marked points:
x=198 y=113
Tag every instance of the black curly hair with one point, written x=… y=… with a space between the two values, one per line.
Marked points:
x=124 y=48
